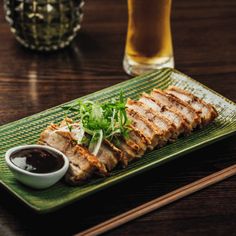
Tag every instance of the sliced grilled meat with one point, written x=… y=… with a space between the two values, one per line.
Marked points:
x=172 y=115
x=146 y=127
x=108 y=154
x=83 y=163
x=158 y=120
x=119 y=154
x=139 y=138
x=206 y=111
x=76 y=176
x=130 y=152
x=184 y=108
x=155 y=119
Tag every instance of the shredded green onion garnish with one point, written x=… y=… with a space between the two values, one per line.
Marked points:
x=96 y=142
x=101 y=120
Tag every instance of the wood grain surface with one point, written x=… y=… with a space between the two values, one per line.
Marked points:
x=204 y=35
x=159 y=202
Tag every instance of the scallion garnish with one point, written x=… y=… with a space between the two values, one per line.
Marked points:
x=106 y=120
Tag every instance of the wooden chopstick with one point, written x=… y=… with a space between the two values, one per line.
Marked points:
x=160 y=202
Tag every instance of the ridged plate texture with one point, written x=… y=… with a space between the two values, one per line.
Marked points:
x=27 y=130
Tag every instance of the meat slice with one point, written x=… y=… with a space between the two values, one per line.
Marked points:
x=80 y=168
x=146 y=127
x=82 y=163
x=111 y=154
x=129 y=150
x=206 y=111
x=134 y=146
x=135 y=136
x=107 y=156
x=184 y=108
x=158 y=120
x=136 y=149
x=76 y=176
x=108 y=153
x=119 y=153
x=172 y=115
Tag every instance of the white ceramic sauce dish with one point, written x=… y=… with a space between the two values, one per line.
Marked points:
x=36 y=180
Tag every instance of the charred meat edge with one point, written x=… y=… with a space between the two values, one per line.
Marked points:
x=184 y=108
x=169 y=133
x=146 y=127
x=183 y=128
x=108 y=155
x=191 y=100
x=77 y=154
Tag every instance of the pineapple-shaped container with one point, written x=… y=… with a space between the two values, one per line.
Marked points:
x=44 y=24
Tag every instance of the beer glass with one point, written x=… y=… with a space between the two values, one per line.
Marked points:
x=149 y=42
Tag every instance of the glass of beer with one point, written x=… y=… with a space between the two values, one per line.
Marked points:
x=149 y=41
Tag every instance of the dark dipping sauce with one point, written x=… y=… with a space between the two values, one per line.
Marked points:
x=37 y=160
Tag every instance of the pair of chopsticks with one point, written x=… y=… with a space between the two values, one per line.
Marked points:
x=160 y=202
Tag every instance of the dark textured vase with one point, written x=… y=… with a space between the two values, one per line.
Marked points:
x=44 y=24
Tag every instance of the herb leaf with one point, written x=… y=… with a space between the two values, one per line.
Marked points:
x=108 y=119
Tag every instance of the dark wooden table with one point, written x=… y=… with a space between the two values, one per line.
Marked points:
x=204 y=34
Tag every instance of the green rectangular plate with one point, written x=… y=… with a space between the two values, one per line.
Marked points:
x=27 y=130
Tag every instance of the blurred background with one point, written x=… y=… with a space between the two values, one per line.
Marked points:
x=204 y=36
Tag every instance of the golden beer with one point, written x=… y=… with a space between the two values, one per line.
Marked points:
x=149 y=42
